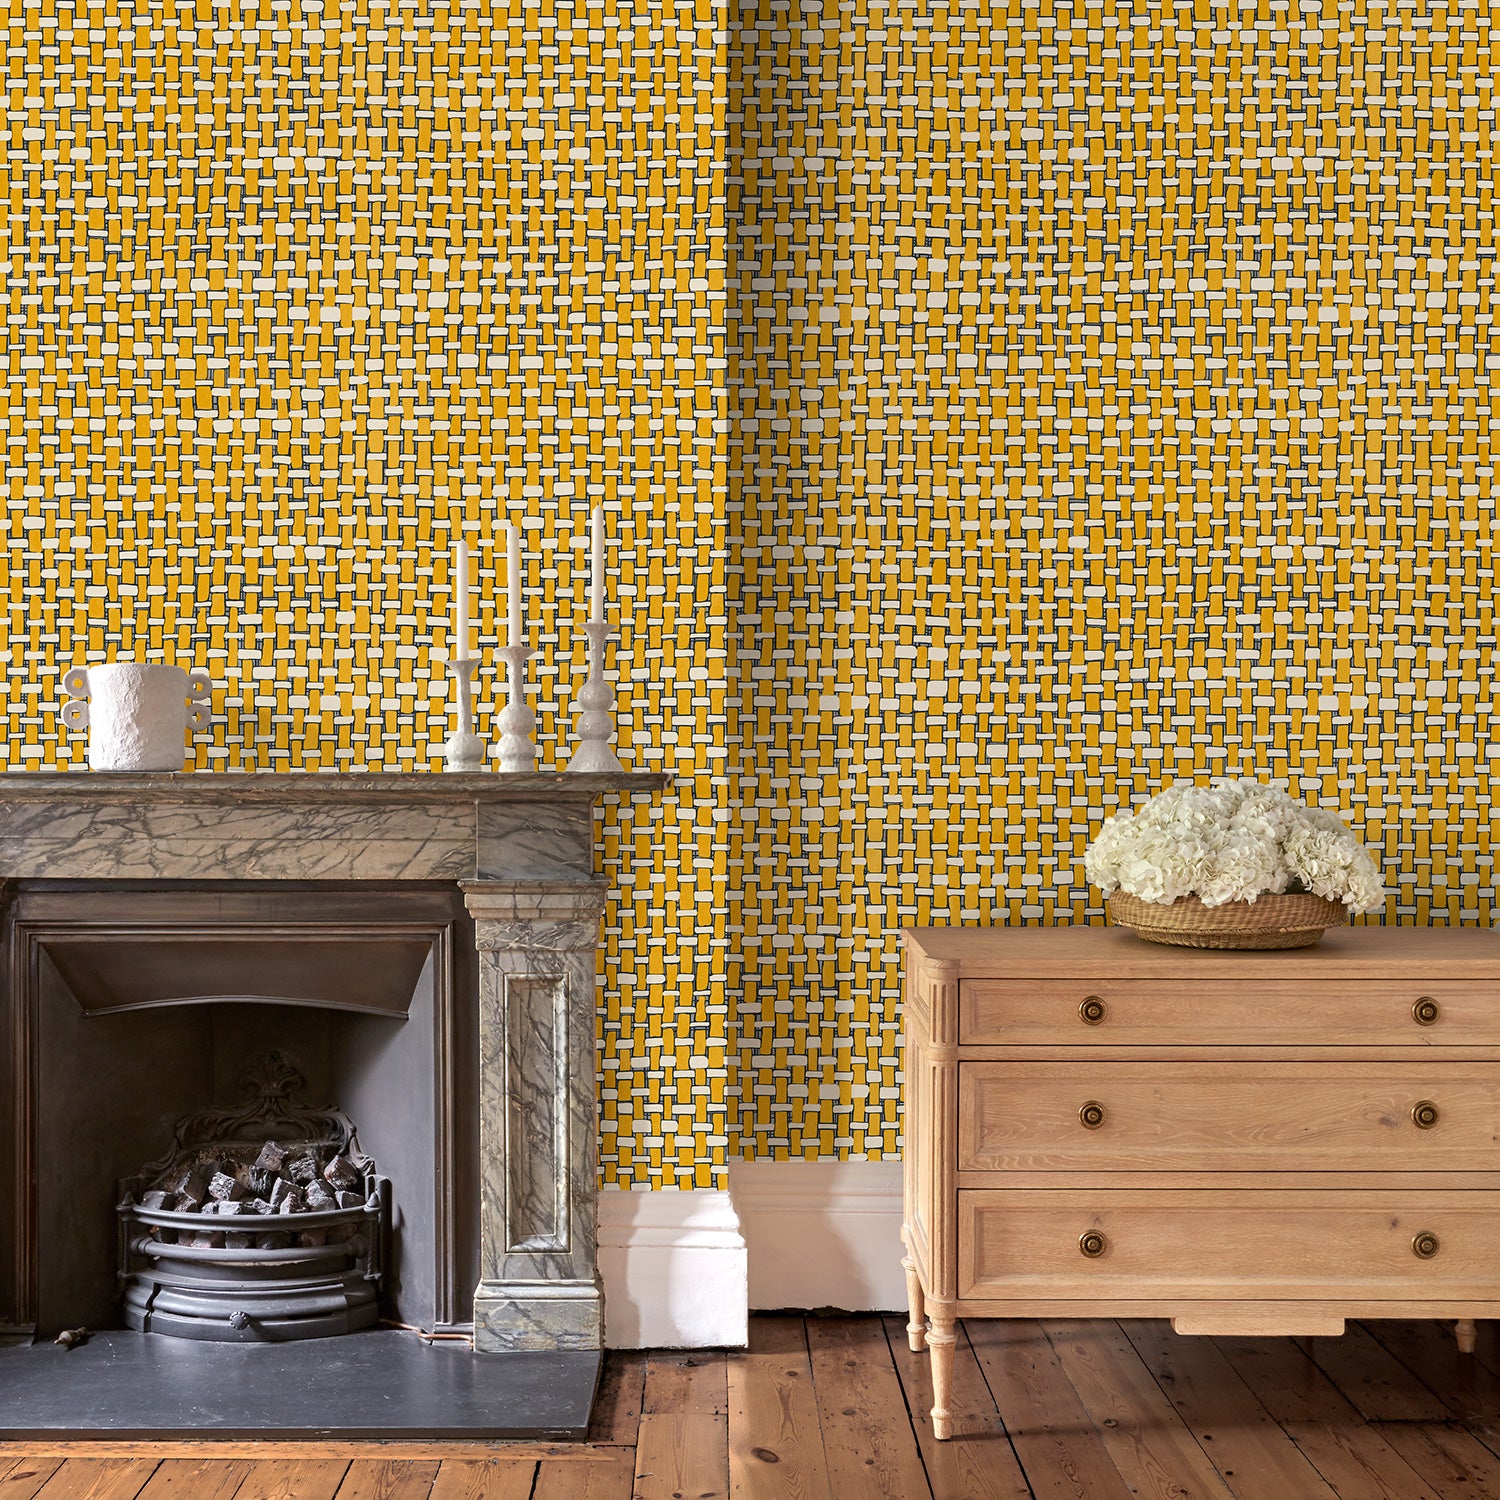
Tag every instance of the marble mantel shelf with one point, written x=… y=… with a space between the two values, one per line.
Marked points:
x=317 y=825
x=321 y=786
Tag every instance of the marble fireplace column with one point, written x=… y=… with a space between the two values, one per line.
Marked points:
x=539 y=1150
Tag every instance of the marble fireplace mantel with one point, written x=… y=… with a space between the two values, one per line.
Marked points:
x=315 y=825
x=521 y=850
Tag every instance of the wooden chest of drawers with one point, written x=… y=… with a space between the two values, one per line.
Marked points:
x=1251 y=1143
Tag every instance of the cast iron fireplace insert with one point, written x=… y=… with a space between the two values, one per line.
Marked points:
x=150 y=1010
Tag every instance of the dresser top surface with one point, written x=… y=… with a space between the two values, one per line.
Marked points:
x=1114 y=953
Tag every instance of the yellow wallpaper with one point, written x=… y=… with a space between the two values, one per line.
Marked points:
x=1114 y=393
x=997 y=410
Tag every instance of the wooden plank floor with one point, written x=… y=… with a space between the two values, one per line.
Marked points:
x=836 y=1409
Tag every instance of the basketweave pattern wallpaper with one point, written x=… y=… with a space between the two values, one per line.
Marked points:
x=998 y=411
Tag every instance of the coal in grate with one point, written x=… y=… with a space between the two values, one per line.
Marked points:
x=262 y=1223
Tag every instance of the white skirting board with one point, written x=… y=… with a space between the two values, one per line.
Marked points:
x=822 y=1233
x=673 y=1268
x=681 y=1270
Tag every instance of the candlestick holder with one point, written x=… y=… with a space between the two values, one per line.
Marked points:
x=596 y=725
x=516 y=721
x=464 y=750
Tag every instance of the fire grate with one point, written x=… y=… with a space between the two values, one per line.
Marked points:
x=261 y=1224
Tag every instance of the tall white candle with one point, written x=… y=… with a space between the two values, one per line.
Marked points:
x=513 y=580
x=596 y=572
x=463 y=641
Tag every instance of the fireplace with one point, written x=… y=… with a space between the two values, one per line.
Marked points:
x=420 y=949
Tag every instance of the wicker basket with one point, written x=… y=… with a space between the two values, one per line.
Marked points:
x=1290 y=921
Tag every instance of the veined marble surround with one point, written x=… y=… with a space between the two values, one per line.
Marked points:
x=521 y=848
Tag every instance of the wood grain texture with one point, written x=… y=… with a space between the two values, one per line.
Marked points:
x=612 y=1479
x=1153 y=1405
x=683 y=1383
x=1110 y=953
x=196 y=1479
x=1153 y=1453
x=294 y=1479
x=1212 y=1243
x=776 y=1333
x=22 y=1476
x=977 y=1462
x=270 y=1450
x=1248 y=1446
x=920 y=1207
x=1261 y=1320
x=621 y=1394
x=1412 y=1419
x=1353 y=1457
x=775 y=1441
x=1381 y=1388
x=1453 y=1463
x=1467 y=1387
x=1352 y=1307
x=1148 y=1131
x=1053 y=1435
x=484 y=1479
x=1204 y=1117
x=388 y=1479
x=682 y=1455
x=1350 y=1013
x=1487 y=1342
x=98 y=1479
x=868 y=1441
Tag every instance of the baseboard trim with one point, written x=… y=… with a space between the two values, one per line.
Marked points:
x=821 y=1234
x=681 y=1270
x=673 y=1266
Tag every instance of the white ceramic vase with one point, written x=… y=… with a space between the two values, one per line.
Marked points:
x=137 y=713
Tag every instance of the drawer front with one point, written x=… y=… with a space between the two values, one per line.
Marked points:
x=1226 y=1012
x=1245 y=1117
x=1287 y=1245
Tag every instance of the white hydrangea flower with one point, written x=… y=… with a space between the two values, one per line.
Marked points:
x=1332 y=864
x=1233 y=840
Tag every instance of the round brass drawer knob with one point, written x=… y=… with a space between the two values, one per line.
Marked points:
x=1092 y=1010
x=1424 y=1114
x=1091 y=1114
x=1092 y=1243
x=1426 y=1010
x=1424 y=1245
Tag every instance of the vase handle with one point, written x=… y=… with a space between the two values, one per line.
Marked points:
x=75 y=708
x=200 y=689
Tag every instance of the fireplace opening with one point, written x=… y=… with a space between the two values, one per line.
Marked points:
x=266 y=1222
x=148 y=1008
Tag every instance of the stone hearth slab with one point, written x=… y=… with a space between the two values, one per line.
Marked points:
x=367 y=1385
